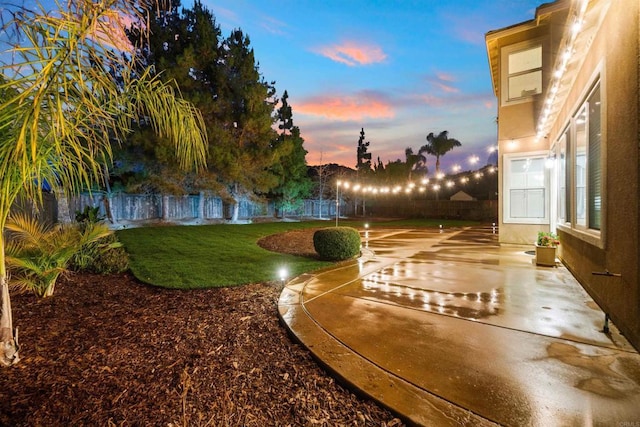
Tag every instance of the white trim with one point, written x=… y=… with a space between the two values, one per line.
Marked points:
x=505 y=51
x=506 y=185
x=583 y=232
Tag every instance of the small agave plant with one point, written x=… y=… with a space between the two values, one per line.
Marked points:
x=37 y=253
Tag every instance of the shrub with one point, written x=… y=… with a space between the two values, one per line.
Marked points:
x=104 y=256
x=37 y=253
x=337 y=243
x=89 y=215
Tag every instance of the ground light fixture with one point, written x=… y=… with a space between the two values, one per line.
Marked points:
x=283 y=273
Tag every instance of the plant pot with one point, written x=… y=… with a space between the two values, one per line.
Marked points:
x=546 y=255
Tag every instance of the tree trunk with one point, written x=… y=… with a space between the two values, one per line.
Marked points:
x=64 y=214
x=165 y=207
x=235 y=212
x=8 y=339
x=106 y=199
x=107 y=202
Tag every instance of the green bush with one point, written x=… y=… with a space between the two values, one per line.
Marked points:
x=105 y=256
x=37 y=253
x=337 y=243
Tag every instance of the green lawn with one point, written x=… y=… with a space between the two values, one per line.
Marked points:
x=190 y=257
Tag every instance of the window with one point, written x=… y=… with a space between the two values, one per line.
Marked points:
x=587 y=163
x=580 y=166
x=581 y=169
x=594 y=170
x=564 y=178
x=524 y=73
x=525 y=185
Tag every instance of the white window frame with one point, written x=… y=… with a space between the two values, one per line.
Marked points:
x=563 y=166
x=508 y=186
x=507 y=51
x=571 y=225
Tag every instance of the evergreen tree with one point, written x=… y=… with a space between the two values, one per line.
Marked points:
x=291 y=169
x=221 y=77
x=183 y=47
x=364 y=159
x=244 y=153
x=285 y=115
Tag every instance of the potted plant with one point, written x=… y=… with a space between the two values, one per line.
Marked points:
x=546 y=246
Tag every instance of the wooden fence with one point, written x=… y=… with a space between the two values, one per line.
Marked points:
x=123 y=207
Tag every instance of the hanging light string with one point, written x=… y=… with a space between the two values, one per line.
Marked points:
x=562 y=61
x=434 y=183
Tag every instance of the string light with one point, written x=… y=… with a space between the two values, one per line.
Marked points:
x=560 y=68
x=440 y=180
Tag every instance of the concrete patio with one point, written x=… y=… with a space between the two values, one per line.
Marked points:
x=449 y=328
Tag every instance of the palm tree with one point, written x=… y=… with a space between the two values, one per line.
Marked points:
x=69 y=93
x=438 y=146
x=39 y=253
x=415 y=162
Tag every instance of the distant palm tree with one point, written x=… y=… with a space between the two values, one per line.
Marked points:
x=415 y=162
x=67 y=95
x=438 y=146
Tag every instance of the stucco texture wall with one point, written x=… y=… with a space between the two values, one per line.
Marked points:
x=616 y=49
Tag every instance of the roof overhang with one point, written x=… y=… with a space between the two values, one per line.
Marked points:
x=583 y=22
x=493 y=38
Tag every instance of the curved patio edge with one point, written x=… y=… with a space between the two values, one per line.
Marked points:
x=413 y=405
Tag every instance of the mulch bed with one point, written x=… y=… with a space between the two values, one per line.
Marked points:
x=110 y=351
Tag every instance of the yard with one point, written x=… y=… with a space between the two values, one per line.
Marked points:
x=110 y=350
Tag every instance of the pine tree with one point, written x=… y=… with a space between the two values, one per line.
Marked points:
x=291 y=169
x=364 y=158
x=221 y=77
x=244 y=153
x=183 y=47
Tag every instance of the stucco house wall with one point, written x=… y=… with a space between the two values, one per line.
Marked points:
x=614 y=54
x=609 y=52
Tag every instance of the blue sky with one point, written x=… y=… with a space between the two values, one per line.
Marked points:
x=398 y=69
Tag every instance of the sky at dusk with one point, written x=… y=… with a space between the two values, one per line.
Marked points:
x=398 y=69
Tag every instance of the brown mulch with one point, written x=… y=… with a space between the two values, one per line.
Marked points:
x=295 y=242
x=110 y=351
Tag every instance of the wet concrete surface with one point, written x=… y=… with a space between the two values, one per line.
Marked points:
x=450 y=328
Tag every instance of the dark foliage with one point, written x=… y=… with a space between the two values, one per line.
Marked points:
x=337 y=243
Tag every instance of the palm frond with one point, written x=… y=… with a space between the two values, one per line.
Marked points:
x=66 y=110
x=27 y=232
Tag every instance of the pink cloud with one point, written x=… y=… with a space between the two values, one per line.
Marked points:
x=273 y=25
x=352 y=53
x=445 y=77
x=447 y=88
x=110 y=31
x=469 y=27
x=444 y=82
x=346 y=107
x=429 y=99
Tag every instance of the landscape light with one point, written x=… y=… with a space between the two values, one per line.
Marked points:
x=283 y=274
